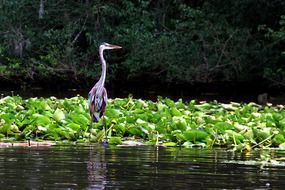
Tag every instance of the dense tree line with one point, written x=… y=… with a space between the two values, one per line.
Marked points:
x=169 y=41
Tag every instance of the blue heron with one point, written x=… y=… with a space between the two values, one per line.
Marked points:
x=97 y=97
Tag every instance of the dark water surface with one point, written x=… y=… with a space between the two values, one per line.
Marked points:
x=103 y=167
x=135 y=92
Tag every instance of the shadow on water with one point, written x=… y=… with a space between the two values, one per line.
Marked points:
x=135 y=92
x=103 y=167
x=222 y=92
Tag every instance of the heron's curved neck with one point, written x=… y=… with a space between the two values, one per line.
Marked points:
x=103 y=73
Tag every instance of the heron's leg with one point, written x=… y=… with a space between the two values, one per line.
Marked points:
x=105 y=129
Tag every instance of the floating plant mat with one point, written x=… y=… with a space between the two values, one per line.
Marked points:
x=260 y=163
x=138 y=122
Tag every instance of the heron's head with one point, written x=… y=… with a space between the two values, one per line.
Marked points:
x=105 y=45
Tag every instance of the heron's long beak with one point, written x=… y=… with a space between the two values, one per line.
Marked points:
x=115 y=47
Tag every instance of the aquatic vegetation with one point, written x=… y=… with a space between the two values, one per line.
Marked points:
x=163 y=122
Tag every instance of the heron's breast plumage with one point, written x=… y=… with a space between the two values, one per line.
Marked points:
x=97 y=100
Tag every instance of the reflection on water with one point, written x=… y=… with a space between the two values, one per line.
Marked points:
x=97 y=168
x=103 y=167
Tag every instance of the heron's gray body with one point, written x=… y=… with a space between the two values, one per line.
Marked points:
x=97 y=97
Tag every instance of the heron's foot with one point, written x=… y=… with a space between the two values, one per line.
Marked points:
x=104 y=141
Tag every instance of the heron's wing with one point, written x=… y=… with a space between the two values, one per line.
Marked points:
x=101 y=101
x=97 y=100
x=105 y=97
x=91 y=104
x=90 y=98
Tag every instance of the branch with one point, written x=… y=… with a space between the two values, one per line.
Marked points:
x=275 y=82
x=224 y=47
x=78 y=34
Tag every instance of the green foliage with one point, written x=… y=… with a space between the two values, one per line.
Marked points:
x=177 y=40
x=136 y=121
x=276 y=72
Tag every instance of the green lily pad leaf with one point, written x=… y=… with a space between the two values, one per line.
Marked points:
x=161 y=106
x=73 y=126
x=41 y=128
x=180 y=137
x=139 y=111
x=279 y=139
x=222 y=126
x=229 y=106
x=131 y=119
x=282 y=123
x=46 y=106
x=2 y=136
x=248 y=134
x=277 y=116
x=14 y=128
x=140 y=121
x=262 y=133
x=5 y=128
x=175 y=112
x=135 y=131
x=236 y=137
x=115 y=140
x=20 y=108
x=180 y=122
x=282 y=146
x=240 y=127
x=58 y=115
x=169 y=144
x=195 y=135
x=169 y=102
x=114 y=113
x=203 y=107
x=41 y=119
x=9 y=118
x=79 y=119
x=120 y=129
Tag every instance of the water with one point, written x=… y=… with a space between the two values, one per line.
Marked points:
x=136 y=93
x=103 y=167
